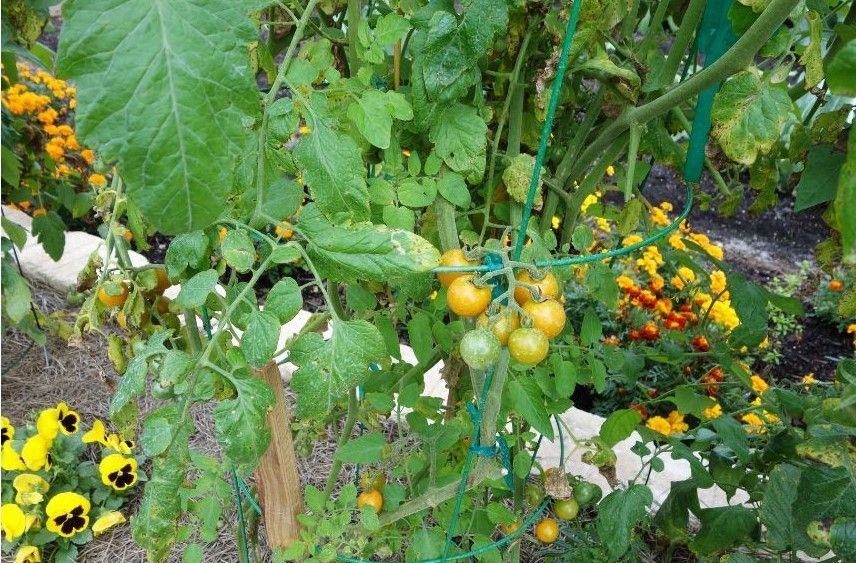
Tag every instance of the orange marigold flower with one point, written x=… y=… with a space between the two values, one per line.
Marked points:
x=97 y=180
x=835 y=285
x=40 y=211
x=659 y=424
x=88 y=155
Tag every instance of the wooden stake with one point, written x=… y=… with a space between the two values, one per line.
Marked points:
x=276 y=476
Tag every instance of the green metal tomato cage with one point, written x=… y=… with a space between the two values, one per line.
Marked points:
x=717 y=36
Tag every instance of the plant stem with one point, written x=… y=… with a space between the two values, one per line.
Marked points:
x=653 y=27
x=193 y=338
x=447 y=229
x=355 y=8
x=739 y=56
x=689 y=24
x=353 y=407
x=514 y=77
x=270 y=98
x=632 y=152
x=396 y=65
x=629 y=24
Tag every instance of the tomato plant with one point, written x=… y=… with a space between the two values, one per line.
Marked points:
x=471 y=175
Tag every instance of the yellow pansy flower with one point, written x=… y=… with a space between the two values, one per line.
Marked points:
x=106 y=521
x=97 y=434
x=28 y=554
x=11 y=460
x=808 y=379
x=118 y=471
x=13 y=521
x=30 y=489
x=36 y=453
x=119 y=444
x=8 y=431
x=68 y=514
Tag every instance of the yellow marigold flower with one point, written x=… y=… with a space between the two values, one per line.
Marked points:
x=71 y=143
x=28 y=554
x=659 y=424
x=631 y=239
x=12 y=521
x=64 y=130
x=610 y=170
x=555 y=221
x=88 y=155
x=717 y=281
x=754 y=424
x=664 y=306
x=56 y=152
x=48 y=116
x=304 y=130
x=11 y=460
x=723 y=314
x=97 y=434
x=676 y=241
x=657 y=282
x=68 y=514
x=36 y=453
x=666 y=206
x=808 y=379
x=625 y=282
x=659 y=217
x=603 y=224
x=758 y=384
x=72 y=104
x=97 y=180
x=589 y=200
x=30 y=488
x=51 y=130
x=685 y=275
x=119 y=444
x=118 y=471
x=8 y=431
x=676 y=421
x=106 y=521
x=39 y=212
x=713 y=412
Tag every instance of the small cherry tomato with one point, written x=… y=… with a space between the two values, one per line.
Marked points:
x=113 y=295
x=480 y=348
x=453 y=257
x=372 y=498
x=502 y=325
x=509 y=529
x=548 y=316
x=587 y=493
x=528 y=345
x=547 y=530
x=534 y=494
x=566 y=509
x=467 y=299
x=548 y=285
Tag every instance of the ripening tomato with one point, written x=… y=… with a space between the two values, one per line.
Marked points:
x=652 y=393
x=453 y=257
x=641 y=409
x=372 y=498
x=113 y=295
x=547 y=530
x=548 y=285
x=502 y=325
x=548 y=316
x=566 y=509
x=528 y=345
x=509 y=529
x=467 y=299
x=480 y=348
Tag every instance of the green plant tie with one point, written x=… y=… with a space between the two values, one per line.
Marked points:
x=714 y=38
x=548 y=126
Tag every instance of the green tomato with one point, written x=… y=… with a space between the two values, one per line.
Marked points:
x=534 y=495
x=587 y=493
x=480 y=348
x=566 y=509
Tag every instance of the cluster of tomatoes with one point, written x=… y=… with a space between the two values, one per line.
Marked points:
x=547 y=529
x=114 y=294
x=537 y=298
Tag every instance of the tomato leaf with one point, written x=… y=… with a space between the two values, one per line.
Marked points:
x=618 y=426
x=238 y=251
x=364 y=251
x=195 y=291
x=258 y=343
x=618 y=514
x=50 y=231
x=460 y=139
x=841 y=70
x=367 y=448
x=241 y=423
x=527 y=399
x=284 y=300
x=722 y=527
x=173 y=113
x=818 y=182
